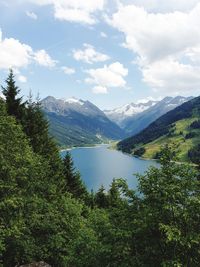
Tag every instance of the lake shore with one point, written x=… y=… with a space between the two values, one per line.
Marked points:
x=85 y=146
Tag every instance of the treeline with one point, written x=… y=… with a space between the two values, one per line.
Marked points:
x=47 y=214
x=163 y=125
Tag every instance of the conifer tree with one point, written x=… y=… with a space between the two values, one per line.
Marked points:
x=36 y=127
x=101 y=199
x=14 y=104
x=73 y=180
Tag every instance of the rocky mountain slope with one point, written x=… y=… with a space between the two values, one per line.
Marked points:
x=77 y=122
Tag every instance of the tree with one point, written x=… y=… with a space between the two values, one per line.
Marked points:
x=74 y=184
x=167 y=229
x=101 y=199
x=38 y=221
x=14 y=104
x=36 y=128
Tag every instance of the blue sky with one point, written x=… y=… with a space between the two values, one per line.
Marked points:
x=106 y=51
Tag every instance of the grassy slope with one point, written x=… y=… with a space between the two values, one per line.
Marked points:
x=178 y=138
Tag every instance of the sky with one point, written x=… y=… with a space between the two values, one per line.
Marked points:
x=110 y=52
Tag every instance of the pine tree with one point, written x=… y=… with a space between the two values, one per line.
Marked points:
x=36 y=128
x=14 y=104
x=101 y=199
x=73 y=180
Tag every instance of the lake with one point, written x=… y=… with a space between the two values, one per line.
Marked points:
x=99 y=165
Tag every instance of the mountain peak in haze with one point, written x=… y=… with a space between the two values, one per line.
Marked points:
x=138 y=122
x=120 y=114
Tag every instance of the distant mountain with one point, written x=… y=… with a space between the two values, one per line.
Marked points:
x=119 y=115
x=180 y=126
x=78 y=122
x=136 y=123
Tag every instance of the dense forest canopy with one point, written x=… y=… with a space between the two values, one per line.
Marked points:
x=47 y=213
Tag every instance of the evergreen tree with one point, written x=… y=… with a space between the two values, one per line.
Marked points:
x=73 y=180
x=36 y=128
x=14 y=104
x=101 y=199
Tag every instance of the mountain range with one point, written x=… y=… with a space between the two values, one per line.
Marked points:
x=119 y=115
x=179 y=127
x=136 y=117
x=76 y=122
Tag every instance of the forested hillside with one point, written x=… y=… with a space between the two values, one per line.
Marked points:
x=47 y=213
x=75 y=122
x=179 y=126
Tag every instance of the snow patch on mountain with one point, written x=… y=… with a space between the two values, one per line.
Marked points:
x=128 y=110
x=74 y=100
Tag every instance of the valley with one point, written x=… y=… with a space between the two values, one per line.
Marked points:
x=178 y=128
x=75 y=122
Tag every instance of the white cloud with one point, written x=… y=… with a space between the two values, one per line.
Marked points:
x=156 y=36
x=163 y=5
x=14 y=54
x=40 y=2
x=161 y=43
x=22 y=79
x=99 y=90
x=107 y=77
x=31 y=15
x=76 y=10
x=172 y=76
x=89 y=55
x=103 y=35
x=43 y=59
x=68 y=70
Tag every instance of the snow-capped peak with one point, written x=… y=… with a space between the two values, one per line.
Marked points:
x=118 y=115
x=132 y=109
x=74 y=100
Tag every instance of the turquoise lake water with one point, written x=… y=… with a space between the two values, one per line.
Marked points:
x=99 y=165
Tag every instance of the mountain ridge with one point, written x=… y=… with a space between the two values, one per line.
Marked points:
x=175 y=126
x=78 y=122
x=140 y=121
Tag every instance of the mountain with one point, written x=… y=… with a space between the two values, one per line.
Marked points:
x=141 y=120
x=78 y=122
x=119 y=115
x=180 y=126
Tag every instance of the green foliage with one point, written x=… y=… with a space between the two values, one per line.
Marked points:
x=169 y=212
x=45 y=213
x=194 y=154
x=14 y=104
x=139 y=151
x=101 y=198
x=74 y=184
x=190 y=135
x=165 y=129
x=195 y=124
